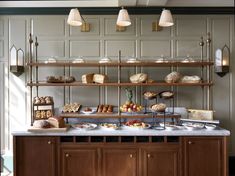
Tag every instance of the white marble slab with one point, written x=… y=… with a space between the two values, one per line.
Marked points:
x=125 y=132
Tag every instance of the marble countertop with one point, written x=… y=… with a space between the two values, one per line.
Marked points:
x=127 y=132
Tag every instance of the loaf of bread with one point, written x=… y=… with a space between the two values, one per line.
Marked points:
x=56 y=122
x=100 y=78
x=41 y=124
x=191 y=79
x=139 y=78
x=173 y=77
x=87 y=78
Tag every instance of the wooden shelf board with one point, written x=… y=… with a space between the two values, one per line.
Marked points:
x=115 y=115
x=120 y=84
x=124 y=64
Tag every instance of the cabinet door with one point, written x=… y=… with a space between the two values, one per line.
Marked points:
x=160 y=162
x=79 y=162
x=120 y=162
x=203 y=156
x=34 y=156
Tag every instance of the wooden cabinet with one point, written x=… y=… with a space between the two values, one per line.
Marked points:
x=79 y=162
x=120 y=162
x=162 y=161
x=34 y=156
x=204 y=156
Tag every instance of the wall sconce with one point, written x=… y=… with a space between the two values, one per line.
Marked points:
x=120 y=28
x=166 y=19
x=16 y=61
x=222 y=61
x=75 y=19
x=123 y=18
x=156 y=27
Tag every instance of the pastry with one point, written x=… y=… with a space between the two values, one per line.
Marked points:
x=60 y=79
x=139 y=78
x=166 y=94
x=105 y=109
x=100 y=78
x=41 y=124
x=173 y=77
x=71 y=108
x=48 y=113
x=150 y=95
x=43 y=114
x=191 y=79
x=87 y=78
x=48 y=100
x=37 y=114
x=36 y=100
x=159 y=107
x=137 y=124
x=87 y=109
x=56 y=122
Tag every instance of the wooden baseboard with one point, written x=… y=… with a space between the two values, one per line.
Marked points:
x=231 y=165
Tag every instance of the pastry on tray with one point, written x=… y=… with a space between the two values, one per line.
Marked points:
x=43 y=100
x=71 y=108
x=191 y=79
x=159 y=107
x=166 y=94
x=105 y=109
x=150 y=95
x=139 y=78
x=173 y=77
x=60 y=79
x=42 y=114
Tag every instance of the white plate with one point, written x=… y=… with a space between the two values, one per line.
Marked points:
x=113 y=127
x=84 y=126
x=210 y=127
x=171 y=127
x=137 y=128
x=88 y=112
x=194 y=127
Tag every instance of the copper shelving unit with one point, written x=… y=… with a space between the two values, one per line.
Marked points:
x=204 y=64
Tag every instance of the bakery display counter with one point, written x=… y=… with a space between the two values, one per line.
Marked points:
x=121 y=153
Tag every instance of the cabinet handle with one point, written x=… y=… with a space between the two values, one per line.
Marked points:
x=49 y=142
x=149 y=155
x=131 y=156
x=66 y=155
x=190 y=142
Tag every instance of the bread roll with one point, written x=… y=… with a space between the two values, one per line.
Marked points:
x=99 y=78
x=88 y=78
x=173 y=77
x=139 y=78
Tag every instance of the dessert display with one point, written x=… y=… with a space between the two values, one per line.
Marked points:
x=105 y=108
x=111 y=126
x=42 y=114
x=191 y=79
x=173 y=77
x=41 y=124
x=43 y=100
x=159 y=107
x=87 y=78
x=150 y=95
x=166 y=94
x=71 y=108
x=60 y=79
x=105 y=60
x=56 y=122
x=139 y=78
x=100 y=78
x=129 y=106
x=137 y=124
x=84 y=126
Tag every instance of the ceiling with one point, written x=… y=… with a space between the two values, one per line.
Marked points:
x=118 y=3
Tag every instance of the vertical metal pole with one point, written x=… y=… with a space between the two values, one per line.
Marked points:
x=30 y=77
x=36 y=59
x=208 y=41
x=69 y=86
x=202 y=72
x=119 y=81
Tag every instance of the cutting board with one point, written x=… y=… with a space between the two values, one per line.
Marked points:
x=33 y=129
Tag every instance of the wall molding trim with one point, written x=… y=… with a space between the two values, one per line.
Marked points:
x=114 y=10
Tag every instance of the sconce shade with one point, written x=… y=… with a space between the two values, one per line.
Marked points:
x=74 y=18
x=123 y=18
x=166 y=19
x=222 y=61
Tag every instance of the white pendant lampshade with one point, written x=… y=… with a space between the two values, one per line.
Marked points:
x=123 y=18
x=166 y=19
x=74 y=18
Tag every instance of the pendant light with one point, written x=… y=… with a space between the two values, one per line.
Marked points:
x=166 y=19
x=123 y=18
x=74 y=18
